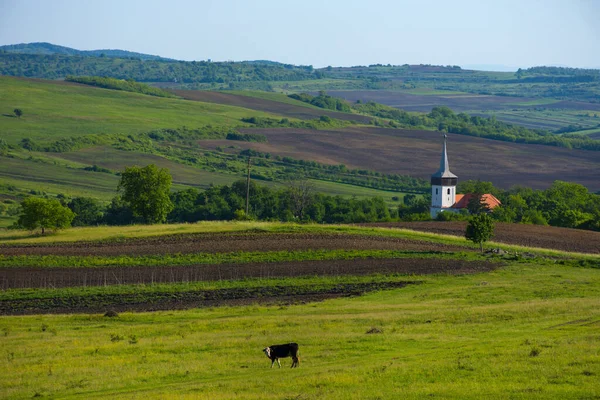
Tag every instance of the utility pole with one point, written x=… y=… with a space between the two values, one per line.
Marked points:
x=248 y=187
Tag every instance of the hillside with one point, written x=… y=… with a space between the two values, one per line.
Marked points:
x=44 y=48
x=558 y=99
x=67 y=128
x=86 y=126
x=55 y=110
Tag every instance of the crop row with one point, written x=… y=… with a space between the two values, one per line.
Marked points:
x=56 y=261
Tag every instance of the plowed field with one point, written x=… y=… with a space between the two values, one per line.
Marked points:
x=457 y=102
x=219 y=243
x=190 y=299
x=548 y=237
x=417 y=153
x=67 y=277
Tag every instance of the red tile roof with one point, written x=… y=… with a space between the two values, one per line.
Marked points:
x=462 y=200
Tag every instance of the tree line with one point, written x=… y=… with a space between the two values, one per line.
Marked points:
x=144 y=196
x=128 y=85
x=59 y=66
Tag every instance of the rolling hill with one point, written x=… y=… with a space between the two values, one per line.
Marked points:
x=44 y=48
x=119 y=121
x=541 y=97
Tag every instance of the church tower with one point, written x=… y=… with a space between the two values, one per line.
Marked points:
x=443 y=186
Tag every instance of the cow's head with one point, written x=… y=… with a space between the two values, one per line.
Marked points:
x=267 y=351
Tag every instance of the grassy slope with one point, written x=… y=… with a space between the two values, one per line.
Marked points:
x=52 y=110
x=278 y=97
x=519 y=332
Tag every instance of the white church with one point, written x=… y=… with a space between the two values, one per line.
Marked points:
x=443 y=190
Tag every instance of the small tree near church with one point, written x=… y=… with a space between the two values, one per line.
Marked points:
x=480 y=229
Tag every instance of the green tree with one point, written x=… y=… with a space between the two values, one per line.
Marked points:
x=480 y=229
x=146 y=192
x=477 y=204
x=18 y=112
x=45 y=214
x=87 y=211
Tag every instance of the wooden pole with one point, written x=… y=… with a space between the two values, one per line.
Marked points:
x=248 y=187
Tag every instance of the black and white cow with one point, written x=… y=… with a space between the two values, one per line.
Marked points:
x=277 y=351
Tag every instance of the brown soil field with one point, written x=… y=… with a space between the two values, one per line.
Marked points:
x=417 y=153
x=457 y=102
x=275 y=107
x=226 y=242
x=11 y=278
x=279 y=295
x=548 y=237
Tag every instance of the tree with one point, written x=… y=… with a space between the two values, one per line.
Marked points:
x=18 y=112
x=301 y=195
x=44 y=213
x=480 y=229
x=477 y=204
x=146 y=192
x=87 y=211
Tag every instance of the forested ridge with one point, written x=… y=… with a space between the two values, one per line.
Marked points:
x=59 y=66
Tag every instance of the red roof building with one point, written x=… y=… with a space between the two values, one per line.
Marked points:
x=462 y=200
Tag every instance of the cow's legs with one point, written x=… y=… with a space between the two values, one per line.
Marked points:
x=278 y=363
x=272 y=362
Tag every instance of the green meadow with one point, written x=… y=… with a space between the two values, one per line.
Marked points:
x=521 y=332
x=52 y=111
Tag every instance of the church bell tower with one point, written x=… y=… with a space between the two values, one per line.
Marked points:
x=443 y=186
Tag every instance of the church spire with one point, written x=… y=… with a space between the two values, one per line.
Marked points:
x=444 y=161
x=444 y=171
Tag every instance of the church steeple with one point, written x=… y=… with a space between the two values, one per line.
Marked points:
x=443 y=176
x=443 y=185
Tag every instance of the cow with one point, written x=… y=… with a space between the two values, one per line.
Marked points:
x=277 y=351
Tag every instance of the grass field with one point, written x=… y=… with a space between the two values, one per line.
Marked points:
x=518 y=332
x=52 y=110
x=523 y=329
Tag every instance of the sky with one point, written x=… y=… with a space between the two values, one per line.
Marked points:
x=490 y=34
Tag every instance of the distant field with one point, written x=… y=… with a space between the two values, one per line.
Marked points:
x=271 y=103
x=52 y=110
x=530 y=112
x=416 y=153
x=544 y=118
x=459 y=103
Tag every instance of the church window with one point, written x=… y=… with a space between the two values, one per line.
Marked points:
x=448 y=190
x=436 y=190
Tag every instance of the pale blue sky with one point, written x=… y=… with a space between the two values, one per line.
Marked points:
x=340 y=33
